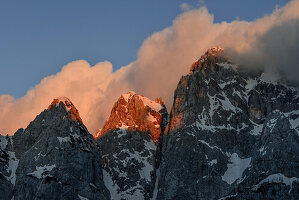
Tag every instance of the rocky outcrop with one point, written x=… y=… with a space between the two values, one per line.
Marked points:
x=136 y=113
x=69 y=106
x=209 y=59
x=130 y=146
x=231 y=135
x=58 y=157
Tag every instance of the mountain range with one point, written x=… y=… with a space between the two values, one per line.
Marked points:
x=232 y=133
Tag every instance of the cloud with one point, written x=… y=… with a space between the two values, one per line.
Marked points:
x=162 y=59
x=185 y=6
x=83 y=84
x=276 y=49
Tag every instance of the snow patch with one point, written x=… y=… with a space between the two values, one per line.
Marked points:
x=123 y=126
x=82 y=198
x=262 y=150
x=3 y=142
x=128 y=95
x=12 y=167
x=133 y=193
x=228 y=197
x=146 y=101
x=251 y=83
x=38 y=155
x=222 y=85
x=152 y=104
x=212 y=147
x=227 y=105
x=235 y=168
x=257 y=129
x=151 y=118
x=40 y=170
x=64 y=139
x=277 y=178
x=75 y=135
x=294 y=121
x=213 y=162
x=271 y=124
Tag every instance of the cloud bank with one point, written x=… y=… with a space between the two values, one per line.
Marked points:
x=163 y=58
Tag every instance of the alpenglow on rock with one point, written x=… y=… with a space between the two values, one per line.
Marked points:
x=136 y=113
x=129 y=143
x=57 y=158
x=232 y=134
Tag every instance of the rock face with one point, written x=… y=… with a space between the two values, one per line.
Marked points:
x=136 y=113
x=232 y=134
x=130 y=147
x=58 y=157
x=211 y=57
x=8 y=166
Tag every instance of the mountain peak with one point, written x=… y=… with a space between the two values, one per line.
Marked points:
x=135 y=112
x=69 y=106
x=127 y=96
x=212 y=56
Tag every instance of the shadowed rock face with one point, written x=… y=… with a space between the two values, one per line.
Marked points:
x=130 y=147
x=231 y=134
x=7 y=167
x=129 y=163
x=58 y=158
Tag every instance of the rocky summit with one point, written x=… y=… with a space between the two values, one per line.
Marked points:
x=232 y=133
x=136 y=113
x=129 y=143
x=55 y=157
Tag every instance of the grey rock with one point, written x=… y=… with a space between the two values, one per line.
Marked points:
x=8 y=164
x=59 y=159
x=129 y=163
x=222 y=119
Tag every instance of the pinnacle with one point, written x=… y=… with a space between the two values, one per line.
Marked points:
x=69 y=106
x=212 y=56
x=135 y=112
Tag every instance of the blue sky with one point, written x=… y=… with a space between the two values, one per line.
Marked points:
x=38 y=37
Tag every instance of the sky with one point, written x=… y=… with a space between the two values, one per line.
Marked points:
x=94 y=52
x=39 y=37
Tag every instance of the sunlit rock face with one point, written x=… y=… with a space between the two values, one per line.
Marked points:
x=232 y=134
x=57 y=157
x=72 y=110
x=209 y=59
x=130 y=146
x=136 y=113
